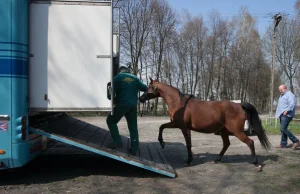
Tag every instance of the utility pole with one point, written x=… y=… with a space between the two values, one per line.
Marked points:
x=277 y=18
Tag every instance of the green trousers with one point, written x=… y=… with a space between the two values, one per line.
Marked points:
x=130 y=113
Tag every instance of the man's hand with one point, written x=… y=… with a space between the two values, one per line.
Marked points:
x=285 y=113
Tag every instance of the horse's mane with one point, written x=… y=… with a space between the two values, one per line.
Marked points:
x=182 y=95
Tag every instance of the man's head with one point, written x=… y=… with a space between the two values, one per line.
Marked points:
x=282 y=89
x=123 y=69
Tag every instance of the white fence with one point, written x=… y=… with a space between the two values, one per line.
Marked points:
x=273 y=120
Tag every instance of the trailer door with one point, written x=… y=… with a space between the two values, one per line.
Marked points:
x=70 y=55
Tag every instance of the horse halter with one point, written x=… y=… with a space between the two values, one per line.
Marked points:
x=154 y=89
x=149 y=95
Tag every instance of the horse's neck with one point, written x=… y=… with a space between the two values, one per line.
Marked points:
x=170 y=95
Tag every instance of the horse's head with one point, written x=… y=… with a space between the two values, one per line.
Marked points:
x=152 y=91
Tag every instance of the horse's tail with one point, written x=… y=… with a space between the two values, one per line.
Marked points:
x=255 y=124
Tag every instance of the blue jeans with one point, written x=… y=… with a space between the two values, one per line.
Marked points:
x=285 y=133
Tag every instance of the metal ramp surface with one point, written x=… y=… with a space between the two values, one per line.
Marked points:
x=70 y=130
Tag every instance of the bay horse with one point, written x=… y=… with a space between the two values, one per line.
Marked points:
x=189 y=113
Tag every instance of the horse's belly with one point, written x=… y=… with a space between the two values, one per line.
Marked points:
x=208 y=129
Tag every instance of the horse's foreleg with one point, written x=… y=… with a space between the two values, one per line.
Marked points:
x=226 y=144
x=161 y=129
x=187 y=136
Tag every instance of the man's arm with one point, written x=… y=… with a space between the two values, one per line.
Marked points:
x=142 y=86
x=291 y=101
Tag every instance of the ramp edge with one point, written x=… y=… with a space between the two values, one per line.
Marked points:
x=104 y=153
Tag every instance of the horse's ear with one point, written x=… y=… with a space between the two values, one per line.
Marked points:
x=151 y=80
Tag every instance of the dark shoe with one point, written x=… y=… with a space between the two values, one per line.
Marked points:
x=295 y=145
x=280 y=146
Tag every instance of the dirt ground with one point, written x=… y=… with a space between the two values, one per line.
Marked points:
x=65 y=169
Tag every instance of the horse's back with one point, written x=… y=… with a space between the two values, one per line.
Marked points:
x=211 y=116
x=213 y=106
x=205 y=116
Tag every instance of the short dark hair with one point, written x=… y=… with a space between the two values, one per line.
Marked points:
x=123 y=69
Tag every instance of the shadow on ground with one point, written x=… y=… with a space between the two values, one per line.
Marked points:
x=59 y=167
x=176 y=154
x=51 y=168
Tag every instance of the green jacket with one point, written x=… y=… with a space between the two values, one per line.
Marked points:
x=126 y=87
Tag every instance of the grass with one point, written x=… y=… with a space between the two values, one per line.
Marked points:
x=271 y=127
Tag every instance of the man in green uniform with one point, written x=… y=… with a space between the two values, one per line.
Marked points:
x=126 y=87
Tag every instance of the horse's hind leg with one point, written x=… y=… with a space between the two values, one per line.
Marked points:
x=187 y=136
x=244 y=138
x=161 y=129
x=226 y=144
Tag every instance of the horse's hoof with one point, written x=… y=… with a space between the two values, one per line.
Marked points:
x=188 y=162
x=218 y=159
x=259 y=168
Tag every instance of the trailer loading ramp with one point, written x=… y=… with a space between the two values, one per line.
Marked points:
x=72 y=131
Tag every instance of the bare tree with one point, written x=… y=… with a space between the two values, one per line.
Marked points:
x=181 y=60
x=135 y=18
x=193 y=34
x=221 y=59
x=213 y=49
x=163 y=27
x=117 y=3
x=297 y=6
x=244 y=53
x=287 y=48
x=225 y=36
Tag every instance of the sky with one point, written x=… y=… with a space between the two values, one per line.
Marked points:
x=261 y=10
